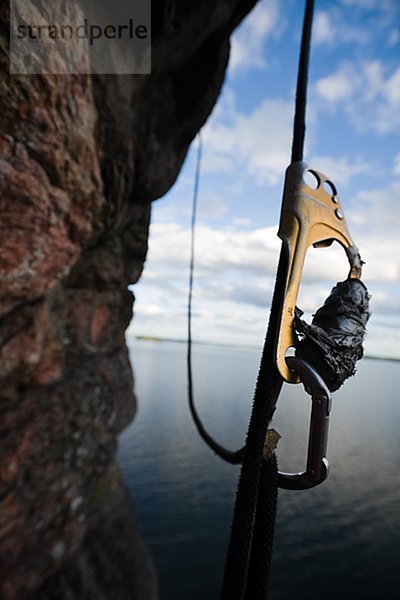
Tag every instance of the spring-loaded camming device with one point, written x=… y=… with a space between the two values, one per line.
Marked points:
x=309 y=217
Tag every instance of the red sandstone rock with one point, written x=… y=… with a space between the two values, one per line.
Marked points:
x=81 y=158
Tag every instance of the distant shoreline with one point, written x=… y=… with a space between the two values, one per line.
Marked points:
x=148 y=338
x=373 y=357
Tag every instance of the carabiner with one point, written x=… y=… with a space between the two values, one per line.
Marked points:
x=309 y=217
x=317 y=464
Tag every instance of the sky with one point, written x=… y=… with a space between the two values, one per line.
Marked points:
x=353 y=136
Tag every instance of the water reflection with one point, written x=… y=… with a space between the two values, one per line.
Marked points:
x=341 y=538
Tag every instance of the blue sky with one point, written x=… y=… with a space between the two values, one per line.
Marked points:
x=353 y=136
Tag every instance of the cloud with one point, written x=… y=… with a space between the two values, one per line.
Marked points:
x=385 y=303
x=364 y=4
x=239 y=265
x=248 y=41
x=331 y=28
x=378 y=213
x=236 y=255
x=256 y=144
x=356 y=22
x=376 y=226
x=381 y=258
x=212 y=206
x=247 y=150
x=384 y=6
x=236 y=265
x=322 y=28
x=392 y=88
x=218 y=249
x=337 y=87
x=383 y=337
x=150 y=310
x=235 y=273
x=396 y=168
x=342 y=169
x=394 y=37
x=366 y=91
x=245 y=221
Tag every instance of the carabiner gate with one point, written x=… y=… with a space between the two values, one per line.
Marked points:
x=317 y=464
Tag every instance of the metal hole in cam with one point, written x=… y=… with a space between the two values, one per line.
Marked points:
x=330 y=189
x=311 y=179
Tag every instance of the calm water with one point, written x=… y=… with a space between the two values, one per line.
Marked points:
x=339 y=540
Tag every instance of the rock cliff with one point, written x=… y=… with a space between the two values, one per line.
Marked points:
x=81 y=159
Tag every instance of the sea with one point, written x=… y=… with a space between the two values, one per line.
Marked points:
x=339 y=540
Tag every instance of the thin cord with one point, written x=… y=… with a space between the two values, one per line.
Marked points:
x=193 y=239
x=227 y=455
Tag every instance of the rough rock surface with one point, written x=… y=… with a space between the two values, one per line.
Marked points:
x=81 y=159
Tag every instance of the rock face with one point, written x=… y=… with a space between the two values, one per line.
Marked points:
x=81 y=159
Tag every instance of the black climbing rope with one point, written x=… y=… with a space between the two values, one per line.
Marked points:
x=299 y=126
x=250 y=548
